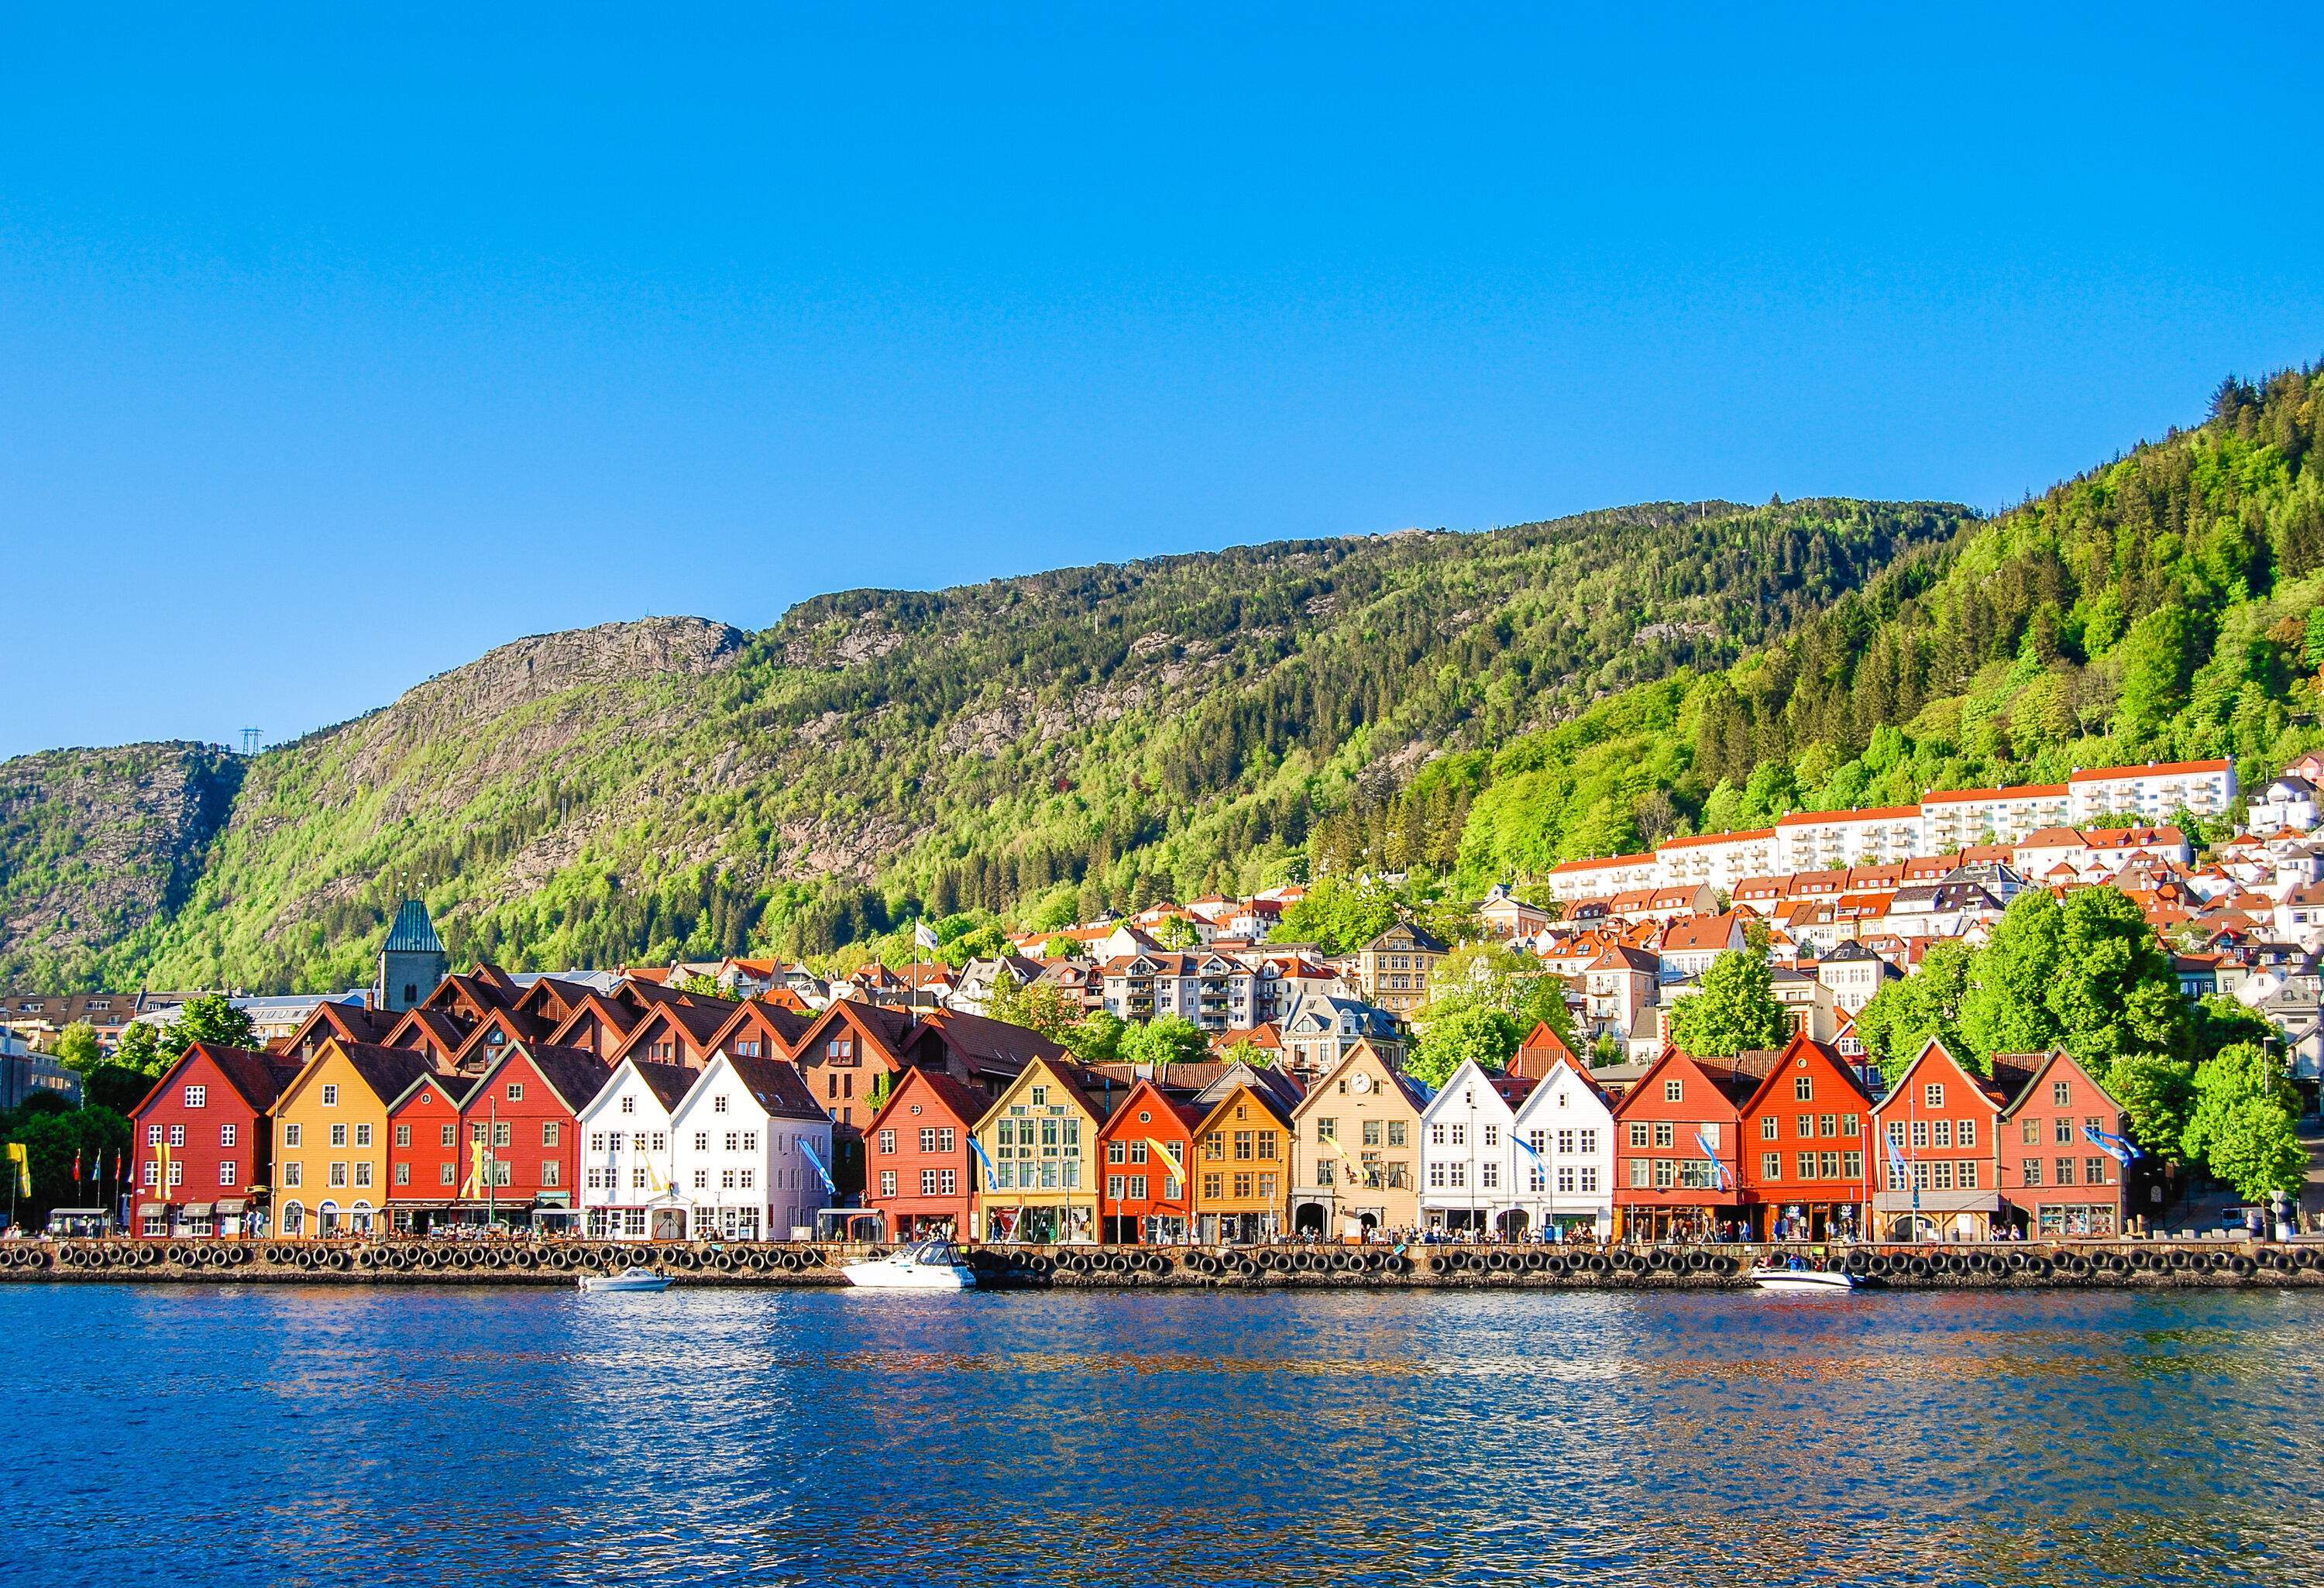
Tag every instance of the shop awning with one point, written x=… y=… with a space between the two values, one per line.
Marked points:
x=195 y=1210
x=232 y=1207
x=1938 y=1202
x=151 y=1210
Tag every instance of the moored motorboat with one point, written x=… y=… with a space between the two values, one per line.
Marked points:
x=1798 y=1276
x=633 y=1278
x=932 y=1265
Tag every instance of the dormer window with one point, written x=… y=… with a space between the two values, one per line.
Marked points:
x=330 y=1096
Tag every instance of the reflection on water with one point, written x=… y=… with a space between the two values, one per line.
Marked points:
x=198 y=1435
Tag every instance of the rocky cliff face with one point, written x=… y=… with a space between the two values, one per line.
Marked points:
x=97 y=846
x=542 y=665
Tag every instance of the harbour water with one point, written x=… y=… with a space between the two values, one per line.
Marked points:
x=221 y=1434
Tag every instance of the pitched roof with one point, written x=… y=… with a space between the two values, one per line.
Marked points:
x=669 y=1083
x=779 y=1088
x=967 y=1102
x=413 y=932
x=2108 y=774
x=257 y=1077
x=389 y=1072
x=989 y=1044
x=1699 y=932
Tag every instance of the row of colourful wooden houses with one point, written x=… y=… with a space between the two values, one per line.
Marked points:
x=644 y=1113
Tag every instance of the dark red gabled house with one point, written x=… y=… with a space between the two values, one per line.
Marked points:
x=2058 y=1181
x=1807 y=1150
x=761 y=1028
x=598 y=1023
x=1677 y=1165
x=200 y=1142
x=919 y=1156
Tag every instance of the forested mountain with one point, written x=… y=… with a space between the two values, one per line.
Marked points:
x=1469 y=707
x=2157 y=608
x=1040 y=746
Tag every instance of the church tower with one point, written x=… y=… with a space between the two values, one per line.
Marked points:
x=411 y=961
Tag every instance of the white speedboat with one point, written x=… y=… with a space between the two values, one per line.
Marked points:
x=932 y=1265
x=1804 y=1278
x=633 y=1278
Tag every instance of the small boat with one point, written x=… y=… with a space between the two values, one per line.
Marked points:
x=633 y=1278
x=1800 y=1277
x=932 y=1265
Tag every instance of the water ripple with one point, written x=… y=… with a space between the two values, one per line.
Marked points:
x=204 y=1435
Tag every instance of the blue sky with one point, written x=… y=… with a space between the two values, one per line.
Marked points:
x=335 y=349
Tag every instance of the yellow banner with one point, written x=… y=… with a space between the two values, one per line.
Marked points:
x=1170 y=1155
x=480 y=1157
x=23 y=1159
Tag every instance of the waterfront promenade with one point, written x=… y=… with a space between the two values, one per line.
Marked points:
x=1931 y=1266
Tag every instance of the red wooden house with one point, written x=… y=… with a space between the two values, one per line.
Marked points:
x=489 y=1038
x=1805 y=1150
x=761 y=1028
x=679 y=1031
x=1677 y=1149
x=1146 y=1196
x=919 y=1160
x=598 y=1023
x=427 y=1161
x=200 y=1139
x=1939 y=1175
x=433 y=1033
x=551 y=1000
x=2057 y=1181
x=524 y=1111
x=851 y=1046
x=349 y=1023
x=1543 y=1051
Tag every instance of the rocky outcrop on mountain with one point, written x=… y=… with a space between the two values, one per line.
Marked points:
x=97 y=845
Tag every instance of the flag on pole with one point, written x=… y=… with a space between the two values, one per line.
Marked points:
x=822 y=1173
x=22 y=1160
x=923 y=934
x=1899 y=1176
x=1719 y=1169
x=479 y=1156
x=76 y=1166
x=2112 y=1145
x=990 y=1179
x=1169 y=1154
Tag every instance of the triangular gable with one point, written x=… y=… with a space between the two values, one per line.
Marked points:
x=1787 y=1066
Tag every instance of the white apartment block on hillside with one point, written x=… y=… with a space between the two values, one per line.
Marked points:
x=1944 y=823
x=1960 y=817
x=1720 y=860
x=1832 y=840
x=2155 y=791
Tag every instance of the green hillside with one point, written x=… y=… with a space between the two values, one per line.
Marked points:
x=1467 y=707
x=2158 y=608
x=1038 y=746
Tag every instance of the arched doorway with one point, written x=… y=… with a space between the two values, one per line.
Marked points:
x=294 y=1219
x=359 y=1218
x=1307 y=1219
x=326 y=1221
x=1512 y=1224
x=668 y=1223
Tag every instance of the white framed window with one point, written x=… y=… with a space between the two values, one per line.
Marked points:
x=198 y=1096
x=226 y=1135
x=227 y=1175
x=177 y=1135
x=330 y=1095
